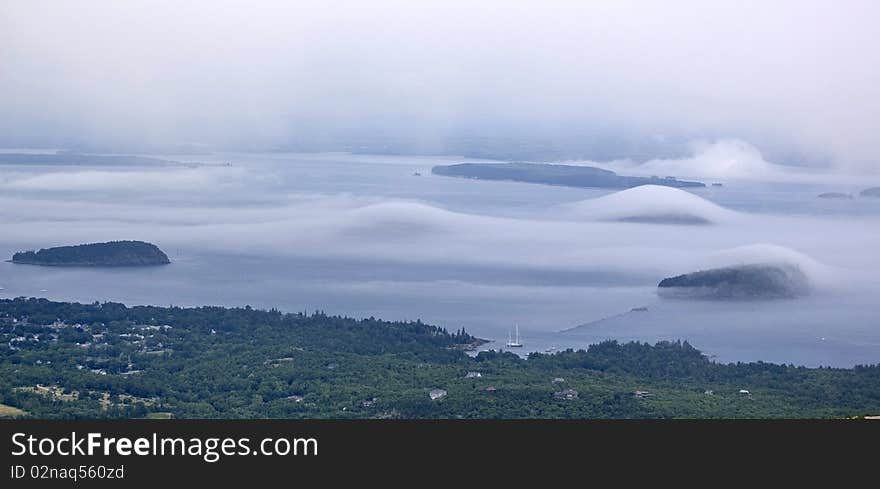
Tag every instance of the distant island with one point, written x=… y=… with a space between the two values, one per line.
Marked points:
x=738 y=282
x=111 y=254
x=870 y=192
x=81 y=159
x=835 y=195
x=566 y=175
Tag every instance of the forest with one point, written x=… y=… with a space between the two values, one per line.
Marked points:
x=107 y=360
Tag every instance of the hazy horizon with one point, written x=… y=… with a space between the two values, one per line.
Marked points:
x=608 y=80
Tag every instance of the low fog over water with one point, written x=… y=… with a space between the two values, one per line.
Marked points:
x=363 y=235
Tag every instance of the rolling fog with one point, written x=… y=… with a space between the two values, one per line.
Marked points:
x=361 y=235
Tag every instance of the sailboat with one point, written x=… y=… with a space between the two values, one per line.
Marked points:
x=514 y=343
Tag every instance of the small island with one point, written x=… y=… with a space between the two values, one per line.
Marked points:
x=110 y=254
x=566 y=175
x=835 y=195
x=757 y=281
x=72 y=158
x=870 y=192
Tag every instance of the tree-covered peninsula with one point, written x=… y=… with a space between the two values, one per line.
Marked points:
x=62 y=360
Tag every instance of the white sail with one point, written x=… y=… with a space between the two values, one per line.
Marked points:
x=511 y=342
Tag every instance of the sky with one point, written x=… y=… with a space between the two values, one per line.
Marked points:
x=797 y=79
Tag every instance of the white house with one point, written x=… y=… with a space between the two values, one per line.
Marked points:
x=437 y=394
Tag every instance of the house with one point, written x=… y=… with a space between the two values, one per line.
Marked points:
x=295 y=398
x=276 y=362
x=437 y=394
x=473 y=375
x=367 y=403
x=642 y=394
x=744 y=392
x=565 y=395
x=558 y=380
x=491 y=388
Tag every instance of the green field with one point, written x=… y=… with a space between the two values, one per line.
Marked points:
x=159 y=416
x=10 y=412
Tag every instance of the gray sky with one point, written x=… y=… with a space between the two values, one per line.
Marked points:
x=800 y=75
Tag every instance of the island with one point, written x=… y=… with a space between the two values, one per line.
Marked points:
x=73 y=158
x=110 y=254
x=870 y=192
x=834 y=195
x=565 y=175
x=756 y=281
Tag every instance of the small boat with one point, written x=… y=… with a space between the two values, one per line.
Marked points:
x=514 y=343
x=417 y=174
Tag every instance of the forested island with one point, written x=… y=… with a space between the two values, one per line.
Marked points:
x=566 y=175
x=84 y=159
x=758 y=281
x=110 y=254
x=64 y=360
x=835 y=195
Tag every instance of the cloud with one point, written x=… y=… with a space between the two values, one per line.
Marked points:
x=725 y=160
x=763 y=253
x=797 y=77
x=651 y=204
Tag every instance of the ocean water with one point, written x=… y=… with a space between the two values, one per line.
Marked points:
x=362 y=235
